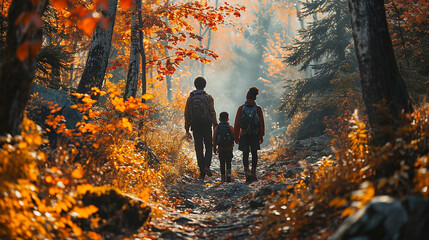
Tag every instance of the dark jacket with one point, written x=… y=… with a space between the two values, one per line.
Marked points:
x=215 y=140
x=237 y=128
x=188 y=109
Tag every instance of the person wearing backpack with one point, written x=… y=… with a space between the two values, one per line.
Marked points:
x=223 y=143
x=249 y=132
x=200 y=116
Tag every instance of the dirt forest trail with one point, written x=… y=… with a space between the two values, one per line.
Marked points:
x=215 y=210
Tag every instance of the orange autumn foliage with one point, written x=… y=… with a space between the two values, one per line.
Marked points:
x=337 y=187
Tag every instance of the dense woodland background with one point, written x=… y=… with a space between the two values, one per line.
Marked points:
x=92 y=97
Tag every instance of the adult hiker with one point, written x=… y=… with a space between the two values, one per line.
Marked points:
x=200 y=116
x=223 y=140
x=249 y=132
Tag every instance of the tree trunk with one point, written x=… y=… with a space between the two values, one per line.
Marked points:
x=134 y=65
x=379 y=72
x=98 y=56
x=16 y=76
x=168 y=78
x=143 y=53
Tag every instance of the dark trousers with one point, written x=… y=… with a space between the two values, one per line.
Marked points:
x=249 y=144
x=225 y=159
x=203 y=139
x=254 y=158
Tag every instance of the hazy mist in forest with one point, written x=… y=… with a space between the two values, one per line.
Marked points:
x=241 y=63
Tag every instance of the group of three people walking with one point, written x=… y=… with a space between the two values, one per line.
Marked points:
x=248 y=131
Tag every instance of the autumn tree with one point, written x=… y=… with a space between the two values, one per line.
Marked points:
x=381 y=80
x=169 y=31
x=408 y=23
x=23 y=41
x=98 y=56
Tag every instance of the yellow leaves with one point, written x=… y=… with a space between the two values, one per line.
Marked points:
x=94 y=235
x=338 y=202
x=293 y=204
x=347 y=212
x=76 y=230
x=85 y=212
x=22 y=145
x=365 y=193
x=118 y=103
x=83 y=188
x=127 y=124
x=48 y=179
x=78 y=173
x=145 y=195
x=148 y=96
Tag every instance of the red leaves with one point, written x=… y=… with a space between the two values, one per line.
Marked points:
x=59 y=4
x=102 y=5
x=22 y=51
x=125 y=4
x=28 y=20
x=88 y=24
x=33 y=48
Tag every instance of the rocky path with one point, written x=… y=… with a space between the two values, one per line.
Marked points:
x=215 y=210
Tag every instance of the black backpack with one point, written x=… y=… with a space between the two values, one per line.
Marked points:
x=249 y=120
x=224 y=135
x=200 y=114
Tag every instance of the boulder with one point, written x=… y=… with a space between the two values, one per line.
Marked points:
x=39 y=109
x=118 y=212
x=387 y=218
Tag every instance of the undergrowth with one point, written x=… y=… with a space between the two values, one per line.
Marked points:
x=337 y=187
x=121 y=145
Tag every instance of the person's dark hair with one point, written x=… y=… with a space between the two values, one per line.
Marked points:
x=200 y=83
x=252 y=93
x=223 y=116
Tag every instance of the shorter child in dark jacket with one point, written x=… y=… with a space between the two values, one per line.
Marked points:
x=223 y=143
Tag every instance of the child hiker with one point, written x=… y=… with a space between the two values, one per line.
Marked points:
x=249 y=131
x=223 y=137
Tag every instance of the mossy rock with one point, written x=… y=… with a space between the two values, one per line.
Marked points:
x=118 y=212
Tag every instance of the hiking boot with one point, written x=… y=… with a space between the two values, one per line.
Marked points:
x=253 y=174
x=202 y=175
x=208 y=172
x=222 y=178
x=228 y=179
x=228 y=176
x=248 y=175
